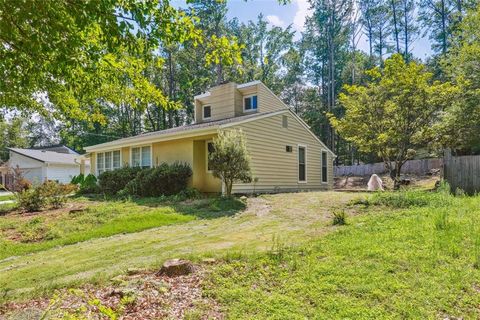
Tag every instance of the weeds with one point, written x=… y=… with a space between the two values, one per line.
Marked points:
x=339 y=218
x=278 y=249
x=441 y=220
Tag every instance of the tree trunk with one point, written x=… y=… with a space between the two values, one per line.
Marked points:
x=444 y=27
x=405 y=28
x=395 y=24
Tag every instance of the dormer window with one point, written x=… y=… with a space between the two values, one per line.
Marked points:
x=250 y=103
x=207 y=112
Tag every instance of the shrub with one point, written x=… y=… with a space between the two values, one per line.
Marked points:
x=111 y=182
x=162 y=180
x=339 y=218
x=86 y=184
x=55 y=194
x=78 y=180
x=31 y=200
x=48 y=193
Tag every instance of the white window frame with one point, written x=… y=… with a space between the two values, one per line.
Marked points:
x=249 y=96
x=298 y=163
x=111 y=160
x=206 y=155
x=141 y=146
x=203 y=112
x=321 y=168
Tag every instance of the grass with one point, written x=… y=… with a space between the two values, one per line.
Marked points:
x=7 y=197
x=402 y=255
x=415 y=261
x=299 y=217
x=22 y=233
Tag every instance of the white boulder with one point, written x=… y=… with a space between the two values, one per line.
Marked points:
x=375 y=183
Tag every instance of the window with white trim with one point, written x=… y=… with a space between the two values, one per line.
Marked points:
x=302 y=164
x=250 y=103
x=107 y=161
x=100 y=163
x=142 y=157
x=324 y=167
x=207 y=112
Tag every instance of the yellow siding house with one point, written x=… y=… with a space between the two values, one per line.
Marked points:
x=285 y=155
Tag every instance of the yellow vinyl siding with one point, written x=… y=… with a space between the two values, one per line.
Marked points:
x=221 y=101
x=190 y=150
x=276 y=169
x=267 y=101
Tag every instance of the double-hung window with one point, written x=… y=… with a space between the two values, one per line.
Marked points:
x=324 y=167
x=142 y=157
x=100 y=163
x=250 y=103
x=302 y=164
x=107 y=161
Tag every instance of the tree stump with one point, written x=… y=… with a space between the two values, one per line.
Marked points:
x=176 y=267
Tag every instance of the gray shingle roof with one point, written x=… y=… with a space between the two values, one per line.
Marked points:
x=47 y=156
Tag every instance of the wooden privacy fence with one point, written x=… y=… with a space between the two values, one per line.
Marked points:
x=419 y=167
x=462 y=172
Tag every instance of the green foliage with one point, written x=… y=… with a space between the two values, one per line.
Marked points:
x=229 y=160
x=87 y=185
x=91 y=54
x=459 y=128
x=339 y=218
x=31 y=199
x=48 y=193
x=78 y=180
x=13 y=136
x=409 y=198
x=393 y=114
x=56 y=193
x=166 y=179
x=111 y=182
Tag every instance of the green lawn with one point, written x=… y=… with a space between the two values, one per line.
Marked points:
x=299 y=216
x=403 y=255
x=22 y=233
x=7 y=197
x=419 y=262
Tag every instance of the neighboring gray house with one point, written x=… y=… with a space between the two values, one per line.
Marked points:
x=57 y=163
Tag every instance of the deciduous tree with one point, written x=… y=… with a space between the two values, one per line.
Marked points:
x=229 y=160
x=393 y=113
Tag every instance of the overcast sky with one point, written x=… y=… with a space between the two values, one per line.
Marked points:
x=293 y=13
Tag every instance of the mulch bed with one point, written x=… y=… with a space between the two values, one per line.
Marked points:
x=142 y=295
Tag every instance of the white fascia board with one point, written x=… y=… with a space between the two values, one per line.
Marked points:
x=267 y=115
x=248 y=84
x=203 y=95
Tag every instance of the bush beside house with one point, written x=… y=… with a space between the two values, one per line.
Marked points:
x=164 y=180
x=111 y=182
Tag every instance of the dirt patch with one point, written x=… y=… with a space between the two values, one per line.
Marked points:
x=360 y=182
x=259 y=206
x=144 y=295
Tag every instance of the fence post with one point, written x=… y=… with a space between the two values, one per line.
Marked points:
x=447 y=158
